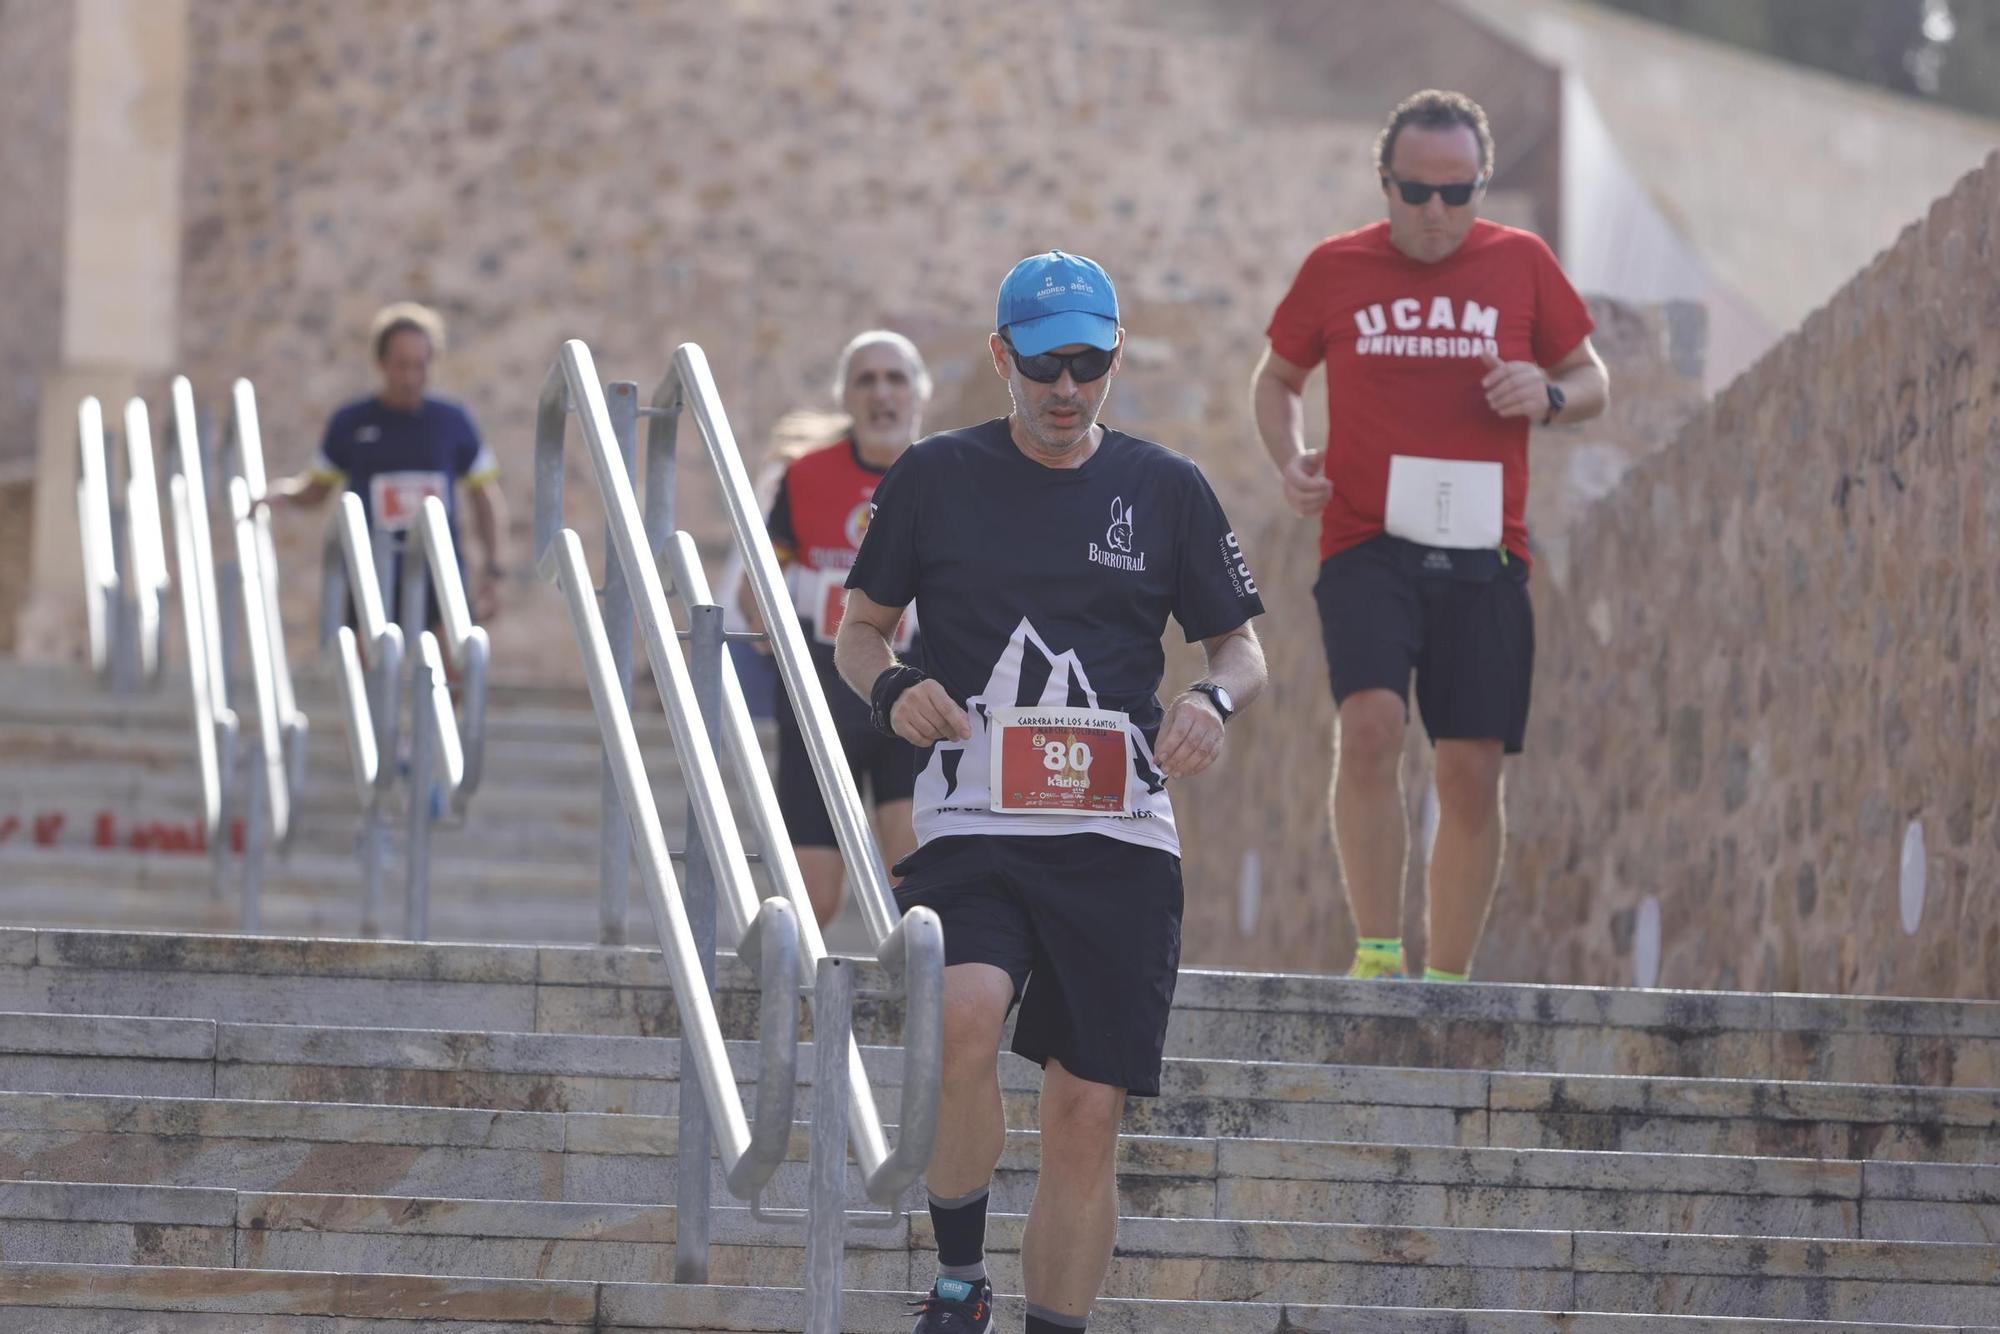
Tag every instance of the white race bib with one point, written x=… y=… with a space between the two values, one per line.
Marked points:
x=1444 y=502
x=396 y=499
x=1060 y=762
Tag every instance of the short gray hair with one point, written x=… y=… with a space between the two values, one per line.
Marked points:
x=920 y=374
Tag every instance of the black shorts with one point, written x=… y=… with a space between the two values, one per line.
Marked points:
x=1460 y=620
x=1089 y=928
x=887 y=764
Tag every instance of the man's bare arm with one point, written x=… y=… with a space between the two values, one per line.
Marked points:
x=1585 y=383
x=1277 y=403
x=861 y=653
x=489 y=521
x=1191 y=734
x=1520 y=388
x=305 y=490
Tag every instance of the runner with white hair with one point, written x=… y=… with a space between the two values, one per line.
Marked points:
x=822 y=508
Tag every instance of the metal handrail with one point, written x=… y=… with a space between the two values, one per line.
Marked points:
x=93 y=519
x=915 y=948
x=367 y=694
x=429 y=554
x=245 y=450
x=215 y=723
x=749 y=1157
x=146 y=553
x=369 y=702
x=912 y=948
x=189 y=463
x=688 y=383
x=908 y=951
x=125 y=590
x=271 y=726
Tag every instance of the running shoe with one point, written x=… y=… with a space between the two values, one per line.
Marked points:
x=1369 y=967
x=956 y=1306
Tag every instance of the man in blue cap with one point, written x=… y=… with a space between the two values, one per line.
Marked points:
x=1045 y=554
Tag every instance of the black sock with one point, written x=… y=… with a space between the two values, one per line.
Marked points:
x=1047 y=1322
x=960 y=1225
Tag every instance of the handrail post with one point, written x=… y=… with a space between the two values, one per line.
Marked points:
x=256 y=840
x=691 y=1219
x=826 y=1213
x=417 y=904
x=614 y=835
x=270 y=816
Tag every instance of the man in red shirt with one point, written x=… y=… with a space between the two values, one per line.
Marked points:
x=816 y=522
x=1445 y=338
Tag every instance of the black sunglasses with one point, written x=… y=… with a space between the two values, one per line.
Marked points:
x=1417 y=194
x=1047 y=367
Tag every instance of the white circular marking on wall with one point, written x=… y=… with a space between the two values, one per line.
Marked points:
x=1646 y=944
x=1914 y=872
x=1249 y=893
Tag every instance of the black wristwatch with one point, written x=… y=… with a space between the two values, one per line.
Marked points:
x=1217 y=696
x=1557 y=398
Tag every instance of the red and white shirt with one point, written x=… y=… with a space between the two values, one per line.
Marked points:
x=816 y=522
x=1402 y=340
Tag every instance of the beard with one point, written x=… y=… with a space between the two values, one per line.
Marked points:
x=1053 y=439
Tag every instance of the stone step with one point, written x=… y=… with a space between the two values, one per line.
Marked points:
x=33 y=693
x=1255 y=1179
x=250 y=1144
x=1161 y=1259
x=553 y=760
x=1828 y=1128
x=1287 y=1017
x=329 y=911
x=98 y=1299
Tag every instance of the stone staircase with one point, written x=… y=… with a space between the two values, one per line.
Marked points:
x=231 y=1132
x=98 y=806
x=213 y=1132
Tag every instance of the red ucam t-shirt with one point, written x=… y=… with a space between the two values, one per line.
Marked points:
x=1401 y=340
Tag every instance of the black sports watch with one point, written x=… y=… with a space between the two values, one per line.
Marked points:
x=1557 y=398
x=1217 y=696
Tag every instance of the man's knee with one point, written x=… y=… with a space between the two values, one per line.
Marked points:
x=1468 y=778
x=976 y=997
x=1079 y=1119
x=1371 y=732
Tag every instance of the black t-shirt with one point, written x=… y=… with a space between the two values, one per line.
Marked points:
x=1049 y=587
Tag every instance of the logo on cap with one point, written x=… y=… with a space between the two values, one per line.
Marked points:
x=1055 y=299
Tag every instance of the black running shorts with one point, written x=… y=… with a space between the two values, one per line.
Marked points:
x=1089 y=928
x=1460 y=620
x=884 y=767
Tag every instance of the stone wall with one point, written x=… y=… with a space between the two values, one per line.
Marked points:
x=762 y=178
x=34 y=106
x=1772 y=667
x=1264 y=886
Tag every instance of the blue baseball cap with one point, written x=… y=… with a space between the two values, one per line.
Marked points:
x=1052 y=300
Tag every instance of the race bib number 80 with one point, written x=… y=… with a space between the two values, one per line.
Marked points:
x=1060 y=761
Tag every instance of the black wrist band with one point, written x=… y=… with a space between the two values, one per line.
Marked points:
x=889 y=688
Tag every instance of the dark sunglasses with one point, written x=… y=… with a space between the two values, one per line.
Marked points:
x=1047 y=367
x=1417 y=194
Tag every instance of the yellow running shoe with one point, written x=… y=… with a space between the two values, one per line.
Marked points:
x=1376 y=957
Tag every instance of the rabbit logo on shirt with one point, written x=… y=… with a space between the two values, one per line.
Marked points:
x=1117 y=553
x=1119 y=535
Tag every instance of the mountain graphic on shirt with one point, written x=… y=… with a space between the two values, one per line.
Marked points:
x=1029 y=674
